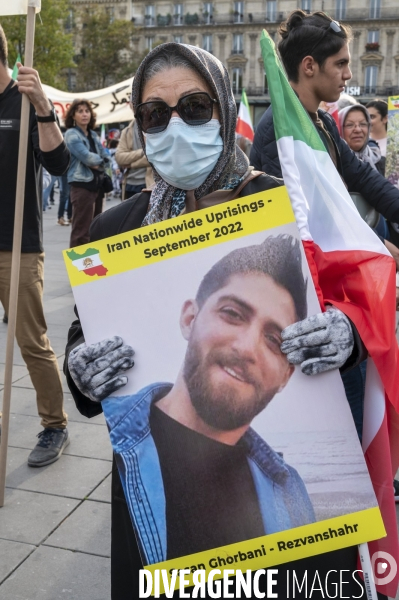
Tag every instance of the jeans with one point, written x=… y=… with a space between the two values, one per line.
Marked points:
x=65 y=203
x=47 y=192
x=354 y=383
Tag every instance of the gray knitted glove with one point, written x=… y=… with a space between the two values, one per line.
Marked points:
x=319 y=343
x=97 y=369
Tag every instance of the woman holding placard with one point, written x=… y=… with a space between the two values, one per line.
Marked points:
x=186 y=113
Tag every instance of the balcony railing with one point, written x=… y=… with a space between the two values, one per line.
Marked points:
x=263 y=18
x=360 y=14
x=372 y=47
x=178 y=19
x=372 y=91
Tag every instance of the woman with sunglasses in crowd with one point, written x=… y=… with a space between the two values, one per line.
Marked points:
x=186 y=113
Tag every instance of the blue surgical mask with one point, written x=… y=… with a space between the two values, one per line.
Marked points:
x=184 y=155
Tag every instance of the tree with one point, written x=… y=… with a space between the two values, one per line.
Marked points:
x=53 y=44
x=106 y=55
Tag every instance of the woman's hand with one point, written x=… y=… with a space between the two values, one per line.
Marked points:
x=97 y=369
x=319 y=343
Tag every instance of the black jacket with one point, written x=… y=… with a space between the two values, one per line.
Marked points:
x=359 y=176
x=56 y=162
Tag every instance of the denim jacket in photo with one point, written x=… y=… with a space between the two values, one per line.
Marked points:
x=283 y=499
x=81 y=156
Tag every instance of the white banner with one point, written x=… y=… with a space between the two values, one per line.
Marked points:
x=110 y=104
x=18 y=7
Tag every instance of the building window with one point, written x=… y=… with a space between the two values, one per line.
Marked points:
x=70 y=21
x=149 y=43
x=207 y=42
x=178 y=14
x=208 y=13
x=306 y=6
x=110 y=12
x=238 y=12
x=373 y=36
x=238 y=43
x=271 y=10
x=340 y=10
x=236 y=80
x=149 y=17
x=370 y=80
x=375 y=9
x=178 y=39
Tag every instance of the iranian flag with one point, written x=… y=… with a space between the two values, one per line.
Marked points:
x=103 y=138
x=352 y=270
x=89 y=262
x=244 y=122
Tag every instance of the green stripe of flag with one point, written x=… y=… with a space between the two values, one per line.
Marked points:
x=289 y=116
x=75 y=256
x=14 y=73
x=244 y=99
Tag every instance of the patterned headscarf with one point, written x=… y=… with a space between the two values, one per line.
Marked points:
x=167 y=201
x=370 y=154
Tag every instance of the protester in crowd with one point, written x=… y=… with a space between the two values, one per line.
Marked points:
x=314 y=51
x=355 y=125
x=354 y=122
x=315 y=54
x=116 y=172
x=244 y=143
x=212 y=169
x=378 y=111
x=46 y=180
x=65 y=202
x=85 y=175
x=130 y=156
x=346 y=100
x=45 y=147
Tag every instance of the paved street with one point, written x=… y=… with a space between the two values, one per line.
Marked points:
x=55 y=525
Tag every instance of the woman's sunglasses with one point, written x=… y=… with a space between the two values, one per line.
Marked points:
x=194 y=109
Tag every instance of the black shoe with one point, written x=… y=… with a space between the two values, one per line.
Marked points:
x=5 y=318
x=396 y=489
x=49 y=448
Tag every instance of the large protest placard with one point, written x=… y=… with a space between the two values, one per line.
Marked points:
x=392 y=158
x=228 y=455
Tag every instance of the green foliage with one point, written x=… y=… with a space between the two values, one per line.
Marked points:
x=392 y=160
x=106 y=55
x=190 y=19
x=53 y=45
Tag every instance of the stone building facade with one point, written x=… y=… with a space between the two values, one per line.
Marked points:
x=231 y=31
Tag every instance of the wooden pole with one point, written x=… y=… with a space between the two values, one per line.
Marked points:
x=16 y=253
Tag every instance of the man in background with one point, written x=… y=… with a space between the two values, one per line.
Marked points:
x=45 y=147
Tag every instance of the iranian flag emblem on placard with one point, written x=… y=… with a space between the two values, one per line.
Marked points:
x=89 y=262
